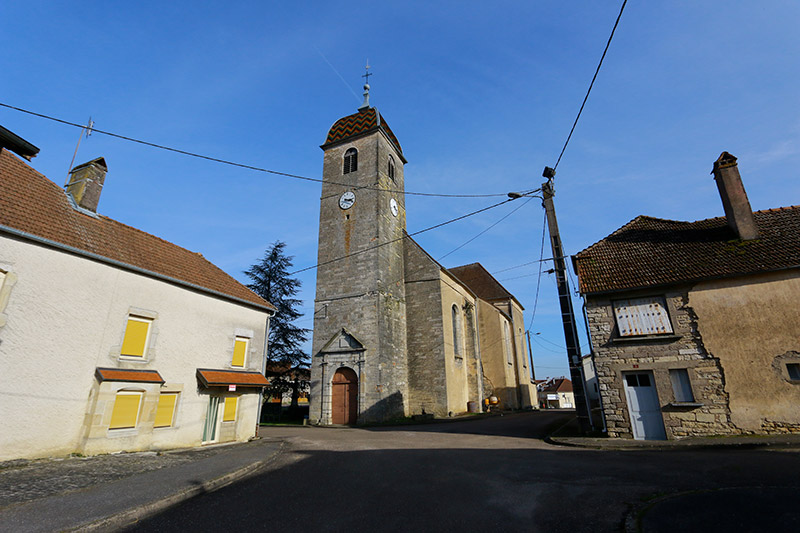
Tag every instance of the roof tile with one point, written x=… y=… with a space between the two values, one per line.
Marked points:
x=365 y=121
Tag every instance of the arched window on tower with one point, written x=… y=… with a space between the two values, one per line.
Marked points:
x=390 y=170
x=456 y=331
x=350 y=161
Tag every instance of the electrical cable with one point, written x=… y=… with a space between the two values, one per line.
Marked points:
x=539 y=281
x=239 y=165
x=591 y=84
x=407 y=235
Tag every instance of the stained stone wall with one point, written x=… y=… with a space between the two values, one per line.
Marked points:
x=683 y=349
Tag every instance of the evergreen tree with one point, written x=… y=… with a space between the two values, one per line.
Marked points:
x=286 y=361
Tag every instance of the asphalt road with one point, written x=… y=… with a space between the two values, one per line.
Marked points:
x=494 y=475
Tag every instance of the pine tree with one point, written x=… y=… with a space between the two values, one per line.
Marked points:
x=271 y=280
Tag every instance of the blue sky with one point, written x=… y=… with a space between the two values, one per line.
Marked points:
x=481 y=96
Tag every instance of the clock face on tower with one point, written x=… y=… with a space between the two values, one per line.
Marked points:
x=347 y=200
x=393 y=206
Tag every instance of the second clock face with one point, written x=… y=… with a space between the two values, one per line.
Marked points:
x=347 y=200
x=393 y=206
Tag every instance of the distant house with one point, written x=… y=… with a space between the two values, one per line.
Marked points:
x=111 y=338
x=556 y=393
x=694 y=325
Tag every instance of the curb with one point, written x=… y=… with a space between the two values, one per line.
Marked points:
x=670 y=447
x=128 y=517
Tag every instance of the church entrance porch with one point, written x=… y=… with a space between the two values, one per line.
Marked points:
x=344 y=397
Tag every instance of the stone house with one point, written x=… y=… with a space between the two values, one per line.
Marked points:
x=395 y=332
x=693 y=325
x=111 y=338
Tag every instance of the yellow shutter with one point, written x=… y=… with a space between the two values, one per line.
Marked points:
x=135 y=337
x=126 y=410
x=166 y=409
x=239 y=351
x=230 y=409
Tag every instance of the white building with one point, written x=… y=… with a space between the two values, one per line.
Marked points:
x=111 y=338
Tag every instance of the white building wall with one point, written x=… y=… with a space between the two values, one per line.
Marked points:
x=65 y=315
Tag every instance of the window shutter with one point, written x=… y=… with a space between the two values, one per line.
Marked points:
x=230 y=409
x=239 y=351
x=135 y=340
x=166 y=409
x=126 y=410
x=642 y=316
x=681 y=385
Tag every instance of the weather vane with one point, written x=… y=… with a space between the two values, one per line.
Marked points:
x=366 y=76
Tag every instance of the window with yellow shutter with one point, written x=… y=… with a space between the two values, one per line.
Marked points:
x=137 y=333
x=229 y=415
x=240 y=351
x=165 y=412
x=126 y=410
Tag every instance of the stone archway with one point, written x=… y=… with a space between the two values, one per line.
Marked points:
x=344 y=397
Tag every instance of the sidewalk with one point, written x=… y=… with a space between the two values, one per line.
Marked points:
x=566 y=436
x=108 y=491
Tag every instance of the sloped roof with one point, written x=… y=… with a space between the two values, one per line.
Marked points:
x=33 y=205
x=649 y=251
x=215 y=378
x=558 y=385
x=364 y=121
x=477 y=278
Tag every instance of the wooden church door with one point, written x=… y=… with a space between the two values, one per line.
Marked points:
x=344 y=397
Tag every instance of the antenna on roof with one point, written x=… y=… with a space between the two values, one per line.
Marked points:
x=366 y=76
x=88 y=131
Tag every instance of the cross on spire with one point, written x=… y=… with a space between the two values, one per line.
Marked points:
x=366 y=76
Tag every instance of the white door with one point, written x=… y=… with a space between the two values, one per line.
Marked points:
x=211 y=427
x=643 y=406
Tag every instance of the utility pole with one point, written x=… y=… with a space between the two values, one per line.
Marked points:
x=565 y=301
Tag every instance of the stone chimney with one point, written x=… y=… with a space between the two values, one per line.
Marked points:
x=85 y=183
x=734 y=198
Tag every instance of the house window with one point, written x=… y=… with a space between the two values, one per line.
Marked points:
x=681 y=386
x=137 y=332
x=391 y=167
x=229 y=414
x=642 y=316
x=126 y=410
x=165 y=412
x=456 y=319
x=350 y=161
x=794 y=371
x=240 y=346
x=507 y=339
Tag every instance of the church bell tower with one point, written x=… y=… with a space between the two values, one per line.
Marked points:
x=359 y=365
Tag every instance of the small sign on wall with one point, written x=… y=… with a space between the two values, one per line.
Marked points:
x=231 y=388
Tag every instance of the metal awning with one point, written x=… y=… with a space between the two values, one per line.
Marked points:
x=221 y=378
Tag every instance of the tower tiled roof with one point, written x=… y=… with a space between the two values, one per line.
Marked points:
x=33 y=205
x=364 y=121
x=649 y=251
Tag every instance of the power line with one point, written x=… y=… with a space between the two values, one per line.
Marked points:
x=239 y=165
x=591 y=84
x=407 y=235
x=487 y=229
x=538 y=281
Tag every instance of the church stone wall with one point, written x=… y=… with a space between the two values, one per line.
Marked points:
x=457 y=366
x=427 y=373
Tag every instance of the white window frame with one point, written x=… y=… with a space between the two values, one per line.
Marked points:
x=246 y=350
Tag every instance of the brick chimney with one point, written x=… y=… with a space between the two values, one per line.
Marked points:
x=734 y=198
x=85 y=183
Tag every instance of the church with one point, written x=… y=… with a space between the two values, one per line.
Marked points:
x=395 y=333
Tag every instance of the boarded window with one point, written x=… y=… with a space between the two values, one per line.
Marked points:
x=681 y=386
x=456 y=319
x=507 y=343
x=229 y=415
x=137 y=332
x=350 y=161
x=126 y=410
x=239 y=351
x=642 y=316
x=165 y=412
x=391 y=167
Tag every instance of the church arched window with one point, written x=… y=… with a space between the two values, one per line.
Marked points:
x=456 y=330
x=350 y=161
x=390 y=170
